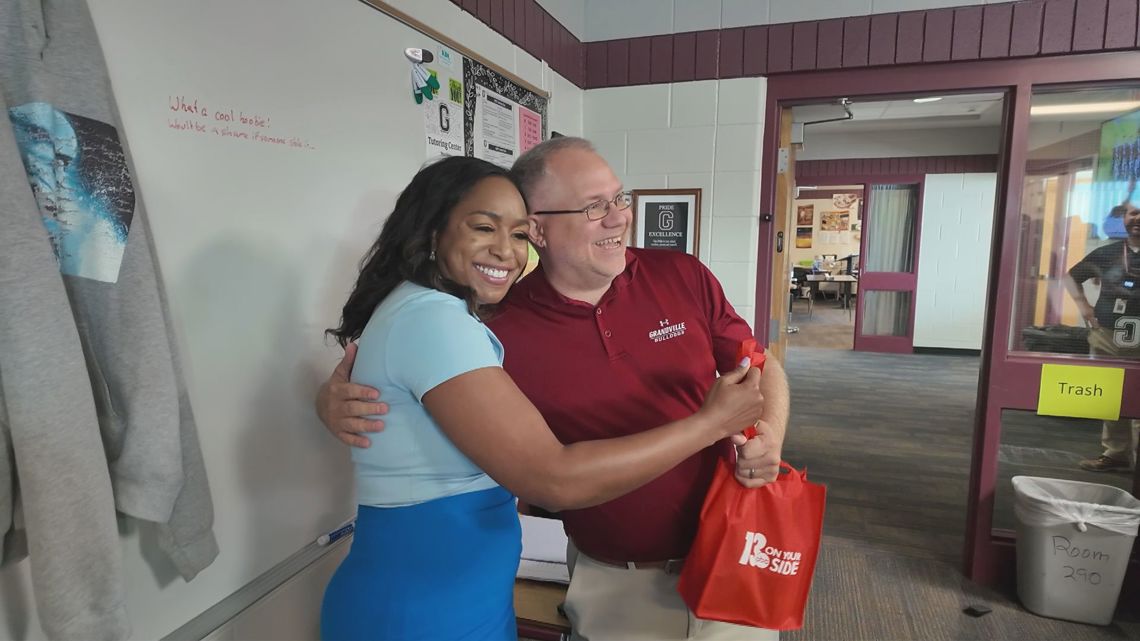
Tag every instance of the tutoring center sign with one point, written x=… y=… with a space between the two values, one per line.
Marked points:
x=667 y=219
x=443 y=114
x=474 y=110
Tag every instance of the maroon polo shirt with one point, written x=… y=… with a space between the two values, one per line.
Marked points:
x=645 y=355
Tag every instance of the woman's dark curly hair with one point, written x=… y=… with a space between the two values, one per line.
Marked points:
x=402 y=252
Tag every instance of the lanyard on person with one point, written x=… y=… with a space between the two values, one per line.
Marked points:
x=1128 y=261
x=1127 y=283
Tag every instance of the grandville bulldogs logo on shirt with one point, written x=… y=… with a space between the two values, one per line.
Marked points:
x=666 y=331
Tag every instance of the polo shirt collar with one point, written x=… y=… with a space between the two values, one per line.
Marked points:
x=543 y=293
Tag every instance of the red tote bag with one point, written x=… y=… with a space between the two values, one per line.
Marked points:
x=755 y=551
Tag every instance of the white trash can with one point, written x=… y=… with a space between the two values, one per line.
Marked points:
x=1073 y=544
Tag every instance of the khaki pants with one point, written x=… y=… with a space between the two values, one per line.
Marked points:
x=608 y=603
x=1118 y=438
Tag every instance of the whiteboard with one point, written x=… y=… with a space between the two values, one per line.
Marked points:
x=258 y=239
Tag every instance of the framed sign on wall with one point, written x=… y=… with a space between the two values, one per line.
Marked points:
x=667 y=219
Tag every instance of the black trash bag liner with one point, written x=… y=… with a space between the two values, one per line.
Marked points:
x=1059 y=339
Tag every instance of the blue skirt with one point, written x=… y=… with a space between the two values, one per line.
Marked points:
x=444 y=569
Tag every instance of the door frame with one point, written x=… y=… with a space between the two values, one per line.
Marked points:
x=1006 y=381
x=889 y=344
x=779 y=310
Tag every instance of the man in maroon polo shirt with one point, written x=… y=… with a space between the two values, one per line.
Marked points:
x=606 y=341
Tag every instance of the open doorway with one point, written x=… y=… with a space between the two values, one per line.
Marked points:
x=871 y=271
x=883 y=503
x=890 y=219
x=824 y=254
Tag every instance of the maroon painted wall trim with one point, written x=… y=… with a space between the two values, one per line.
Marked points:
x=1025 y=29
x=896 y=166
x=526 y=24
x=826 y=194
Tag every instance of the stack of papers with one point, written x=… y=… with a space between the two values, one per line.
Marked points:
x=543 y=550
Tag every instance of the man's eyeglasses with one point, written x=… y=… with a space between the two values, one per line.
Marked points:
x=600 y=209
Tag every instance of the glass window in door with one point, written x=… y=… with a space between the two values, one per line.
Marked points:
x=1078 y=271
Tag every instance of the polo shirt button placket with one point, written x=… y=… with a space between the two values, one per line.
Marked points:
x=613 y=350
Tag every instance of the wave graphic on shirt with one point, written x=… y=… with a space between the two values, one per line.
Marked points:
x=81 y=182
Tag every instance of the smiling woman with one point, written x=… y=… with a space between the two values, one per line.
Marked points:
x=484 y=245
x=455 y=201
x=450 y=250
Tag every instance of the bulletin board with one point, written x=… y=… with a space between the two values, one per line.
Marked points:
x=497 y=111
x=502 y=115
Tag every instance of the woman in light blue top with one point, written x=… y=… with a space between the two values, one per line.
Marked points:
x=437 y=537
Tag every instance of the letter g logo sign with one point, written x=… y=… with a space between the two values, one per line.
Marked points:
x=444 y=118
x=665 y=221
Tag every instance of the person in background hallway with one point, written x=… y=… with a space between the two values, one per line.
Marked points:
x=437 y=537
x=606 y=340
x=1115 y=326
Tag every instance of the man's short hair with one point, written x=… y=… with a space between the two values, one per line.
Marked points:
x=530 y=168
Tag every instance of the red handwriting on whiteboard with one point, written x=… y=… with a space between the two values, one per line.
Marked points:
x=194 y=115
x=182 y=104
x=193 y=106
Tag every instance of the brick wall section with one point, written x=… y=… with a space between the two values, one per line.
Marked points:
x=1027 y=28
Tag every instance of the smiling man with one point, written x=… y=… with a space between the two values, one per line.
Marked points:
x=584 y=341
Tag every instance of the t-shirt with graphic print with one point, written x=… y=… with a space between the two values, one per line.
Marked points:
x=1117 y=265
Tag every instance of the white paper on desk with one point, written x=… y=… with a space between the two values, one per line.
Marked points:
x=543 y=571
x=543 y=539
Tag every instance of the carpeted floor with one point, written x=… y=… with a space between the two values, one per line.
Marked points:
x=890 y=436
x=870 y=425
x=868 y=593
x=829 y=325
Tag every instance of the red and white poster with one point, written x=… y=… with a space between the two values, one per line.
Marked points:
x=530 y=129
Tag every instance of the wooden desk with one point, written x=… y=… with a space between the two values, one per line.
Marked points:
x=845 y=280
x=536 y=610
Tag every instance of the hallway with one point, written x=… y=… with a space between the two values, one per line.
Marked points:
x=890 y=436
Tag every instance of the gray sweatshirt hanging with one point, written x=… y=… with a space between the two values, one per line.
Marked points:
x=90 y=384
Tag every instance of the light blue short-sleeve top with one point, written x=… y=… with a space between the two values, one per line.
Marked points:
x=416 y=339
